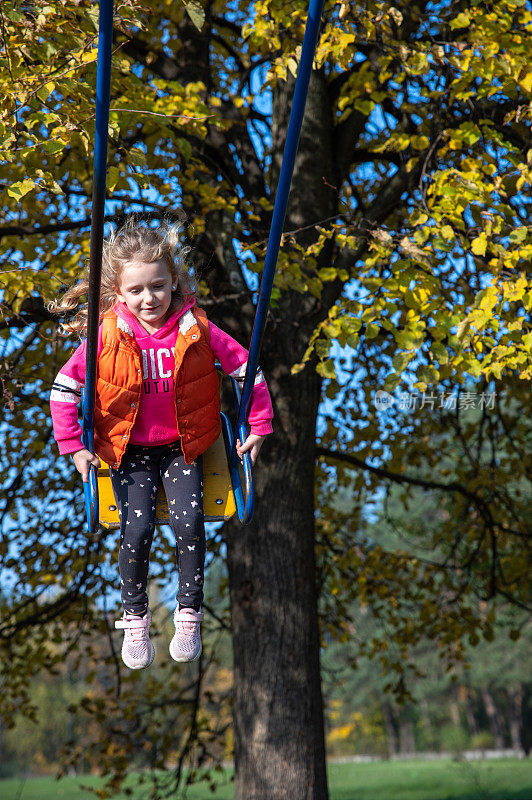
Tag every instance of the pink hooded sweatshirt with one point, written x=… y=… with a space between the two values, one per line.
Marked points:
x=156 y=420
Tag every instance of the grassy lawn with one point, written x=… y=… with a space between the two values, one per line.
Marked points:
x=507 y=779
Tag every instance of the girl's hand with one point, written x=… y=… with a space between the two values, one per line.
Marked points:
x=83 y=459
x=253 y=443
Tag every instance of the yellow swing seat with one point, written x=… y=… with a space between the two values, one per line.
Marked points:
x=218 y=497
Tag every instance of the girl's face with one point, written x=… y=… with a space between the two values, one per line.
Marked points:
x=146 y=289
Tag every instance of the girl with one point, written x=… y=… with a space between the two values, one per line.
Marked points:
x=157 y=410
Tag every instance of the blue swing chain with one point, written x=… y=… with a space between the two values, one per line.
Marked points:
x=244 y=500
x=272 y=251
x=103 y=96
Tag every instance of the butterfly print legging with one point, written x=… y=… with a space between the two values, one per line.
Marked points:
x=135 y=488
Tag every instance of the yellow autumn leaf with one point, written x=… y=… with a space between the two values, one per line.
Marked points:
x=341 y=732
x=526 y=81
x=20 y=188
x=478 y=245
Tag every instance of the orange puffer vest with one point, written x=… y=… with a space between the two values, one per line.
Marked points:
x=119 y=386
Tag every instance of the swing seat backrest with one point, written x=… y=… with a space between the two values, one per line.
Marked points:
x=218 y=497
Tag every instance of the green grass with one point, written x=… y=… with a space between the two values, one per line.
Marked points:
x=508 y=779
x=505 y=779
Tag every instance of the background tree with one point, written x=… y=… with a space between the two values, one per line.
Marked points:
x=406 y=243
x=450 y=706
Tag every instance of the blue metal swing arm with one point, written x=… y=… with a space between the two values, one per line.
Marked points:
x=103 y=92
x=279 y=211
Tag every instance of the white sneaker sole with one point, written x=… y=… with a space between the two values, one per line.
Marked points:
x=184 y=659
x=130 y=665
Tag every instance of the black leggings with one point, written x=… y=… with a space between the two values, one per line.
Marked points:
x=135 y=487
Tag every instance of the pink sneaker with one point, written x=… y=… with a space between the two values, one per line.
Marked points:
x=186 y=644
x=137 y=650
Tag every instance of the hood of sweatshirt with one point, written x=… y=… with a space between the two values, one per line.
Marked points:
x=123 y=313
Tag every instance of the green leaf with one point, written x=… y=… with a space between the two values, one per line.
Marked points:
x=462 y=20
x=372 y=331
x=475 y=369
x=439 y=351
x=392 y=381
x=136 y=157
x=53 y=147
x=185 y=146
x=195 y=12
x=364 y=106
x=322 y=348
x=328 y=273
x=92 y=13
x=401 y=360
x=45 y=91
x=21 y=188
x=518 y=235
x=447 y=232
x=427 y=374
x=408 y=339
x=527 y=341
x=326 y=369
x=113 y=174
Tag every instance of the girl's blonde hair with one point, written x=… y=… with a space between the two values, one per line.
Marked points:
x=135 y=241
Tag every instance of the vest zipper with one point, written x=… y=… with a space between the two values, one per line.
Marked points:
x=136 y=352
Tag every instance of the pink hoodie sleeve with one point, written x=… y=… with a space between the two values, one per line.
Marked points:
x=233 y=360
x=65 y=398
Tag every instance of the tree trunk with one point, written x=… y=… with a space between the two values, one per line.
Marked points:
x=407 y=739
x=526 y=711
x=391 y=732
x=454 y=713
x=515 y=715
x=469 y=709
x=278 y=714
x=493 y=719
x=426 y=722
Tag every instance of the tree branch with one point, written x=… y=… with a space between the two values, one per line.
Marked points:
x=454 y=486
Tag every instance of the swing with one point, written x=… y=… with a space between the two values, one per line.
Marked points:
x=218 y=496
x=219 y=502
x=223 y=490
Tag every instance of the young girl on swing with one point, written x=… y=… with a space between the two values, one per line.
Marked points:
x=157 y=410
